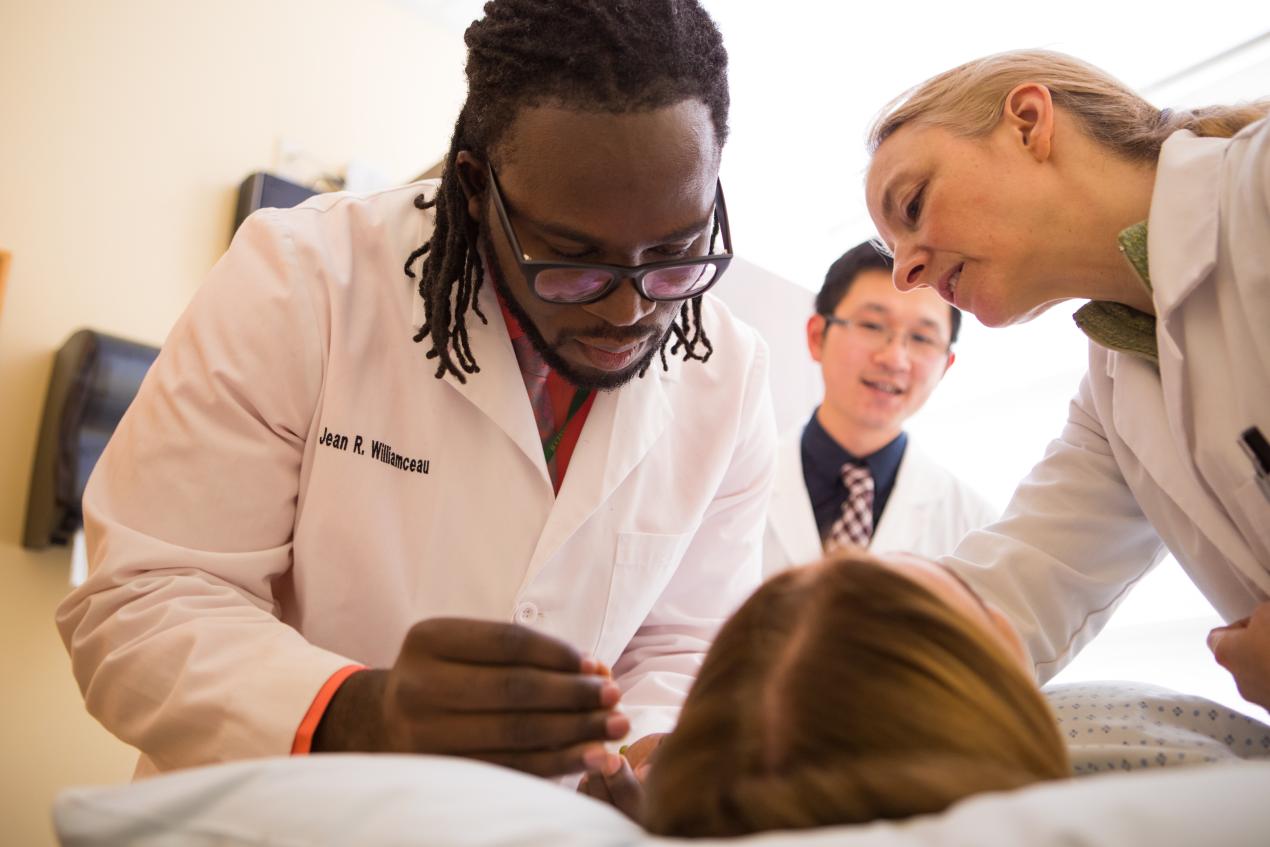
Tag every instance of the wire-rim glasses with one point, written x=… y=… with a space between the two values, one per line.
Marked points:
x=877 y=336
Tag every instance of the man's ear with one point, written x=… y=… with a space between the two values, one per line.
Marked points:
x=1029 y=119
x=952 y=357
x=815 y=336
x=472 y=178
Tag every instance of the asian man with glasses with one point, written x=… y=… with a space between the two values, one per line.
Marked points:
x=851 y=477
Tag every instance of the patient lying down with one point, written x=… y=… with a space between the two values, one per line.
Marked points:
x=842 y=692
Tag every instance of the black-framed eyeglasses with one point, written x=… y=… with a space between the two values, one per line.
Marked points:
x=876 y=335
x=586 y=282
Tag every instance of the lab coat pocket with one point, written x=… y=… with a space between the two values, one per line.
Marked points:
x=642 y=566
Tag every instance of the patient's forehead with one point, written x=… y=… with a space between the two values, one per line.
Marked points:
x=941 y=582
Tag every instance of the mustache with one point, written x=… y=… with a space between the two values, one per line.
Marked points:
x=608 y=332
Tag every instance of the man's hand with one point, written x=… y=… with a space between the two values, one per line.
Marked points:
x=497 y=692
x=1243 y=648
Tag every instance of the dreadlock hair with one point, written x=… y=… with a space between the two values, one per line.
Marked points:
x=613 y=56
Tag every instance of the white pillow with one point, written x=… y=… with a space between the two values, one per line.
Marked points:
x=377 y=801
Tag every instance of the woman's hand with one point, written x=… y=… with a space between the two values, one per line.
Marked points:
x=1243 y=648
x=640 y=754
x=621 y=783
x=618 y=786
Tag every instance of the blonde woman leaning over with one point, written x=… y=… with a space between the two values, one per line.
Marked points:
x=1020 y=180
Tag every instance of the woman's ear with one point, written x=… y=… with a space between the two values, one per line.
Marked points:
x=1029 y=118
x=471 y=172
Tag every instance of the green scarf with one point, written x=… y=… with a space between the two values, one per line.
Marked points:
x=1115 y=325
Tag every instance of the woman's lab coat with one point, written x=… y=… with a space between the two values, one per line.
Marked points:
x=928 y=512
x=294 y=487
x=1150 y=459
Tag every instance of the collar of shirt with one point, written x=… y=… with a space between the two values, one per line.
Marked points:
x=823 y=459
x=560 y=392
x=1115 y=325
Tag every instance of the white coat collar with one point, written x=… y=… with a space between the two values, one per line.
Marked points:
x=497 y=389
x=790 y=515
x=1182 y=244
x=912 y=496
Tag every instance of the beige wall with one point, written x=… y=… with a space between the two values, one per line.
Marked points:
x=125 y=128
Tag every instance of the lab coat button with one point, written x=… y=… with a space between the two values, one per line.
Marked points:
x=526 y=613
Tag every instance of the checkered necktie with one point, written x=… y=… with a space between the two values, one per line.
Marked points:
x=855 y=526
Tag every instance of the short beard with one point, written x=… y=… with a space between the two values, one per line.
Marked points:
x=591 y=380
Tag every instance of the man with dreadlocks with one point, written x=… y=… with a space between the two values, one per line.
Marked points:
x=356 y=509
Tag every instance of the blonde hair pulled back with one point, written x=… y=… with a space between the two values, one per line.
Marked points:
x=970 y=99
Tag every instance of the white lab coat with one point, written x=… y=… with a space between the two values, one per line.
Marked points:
x=928 y=512
x=245 y=544
x=1150 y=458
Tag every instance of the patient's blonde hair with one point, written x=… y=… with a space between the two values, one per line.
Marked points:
x=969 y=101
x=844 y=692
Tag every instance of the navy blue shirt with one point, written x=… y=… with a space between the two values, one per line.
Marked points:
x=823 y=459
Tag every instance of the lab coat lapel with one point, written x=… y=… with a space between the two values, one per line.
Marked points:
x=498 y=389
x=1182 y=228
x=1182 y=252
x=790 y=514
x=903 y=523
x=1143 y=423
x=620 y=430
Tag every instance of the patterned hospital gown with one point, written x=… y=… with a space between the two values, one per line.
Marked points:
x=1127 y=726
